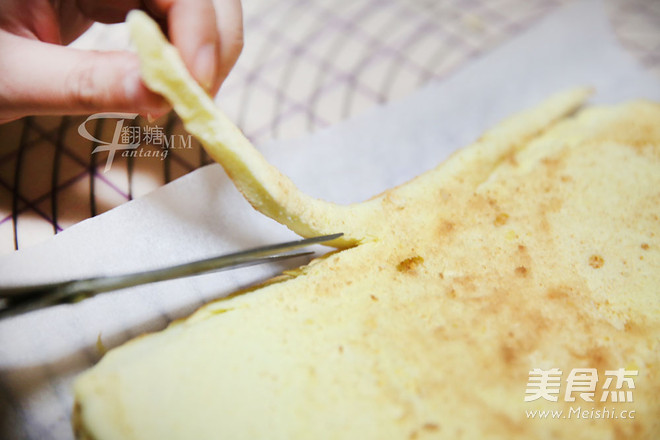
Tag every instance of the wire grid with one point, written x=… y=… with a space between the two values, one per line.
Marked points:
x=306 y=64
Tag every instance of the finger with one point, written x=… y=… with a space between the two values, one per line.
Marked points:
x=209 y=43
x=30 y=21
x=72 y=21
x=107 y=11
x=230 y=26
x=192 y=28
x=52 y=79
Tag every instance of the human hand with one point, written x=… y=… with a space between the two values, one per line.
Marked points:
x=38 y=75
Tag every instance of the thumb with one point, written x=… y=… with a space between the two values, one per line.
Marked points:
x=42 y=78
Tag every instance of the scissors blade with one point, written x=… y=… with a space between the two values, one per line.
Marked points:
x=25 y=298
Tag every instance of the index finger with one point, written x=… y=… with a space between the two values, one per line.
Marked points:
x=192 y=27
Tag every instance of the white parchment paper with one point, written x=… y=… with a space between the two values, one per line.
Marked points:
x=202 y=215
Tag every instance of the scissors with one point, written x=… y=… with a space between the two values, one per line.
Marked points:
x=17 y=300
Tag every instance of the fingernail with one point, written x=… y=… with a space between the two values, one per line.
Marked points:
x=152 y=116
x=132 y=84
x=205 y=65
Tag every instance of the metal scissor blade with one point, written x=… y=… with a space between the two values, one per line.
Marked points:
x=26 y=298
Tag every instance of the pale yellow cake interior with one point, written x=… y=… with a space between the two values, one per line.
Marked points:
x=535 y=247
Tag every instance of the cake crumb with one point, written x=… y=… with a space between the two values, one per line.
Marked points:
x=596 y=261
